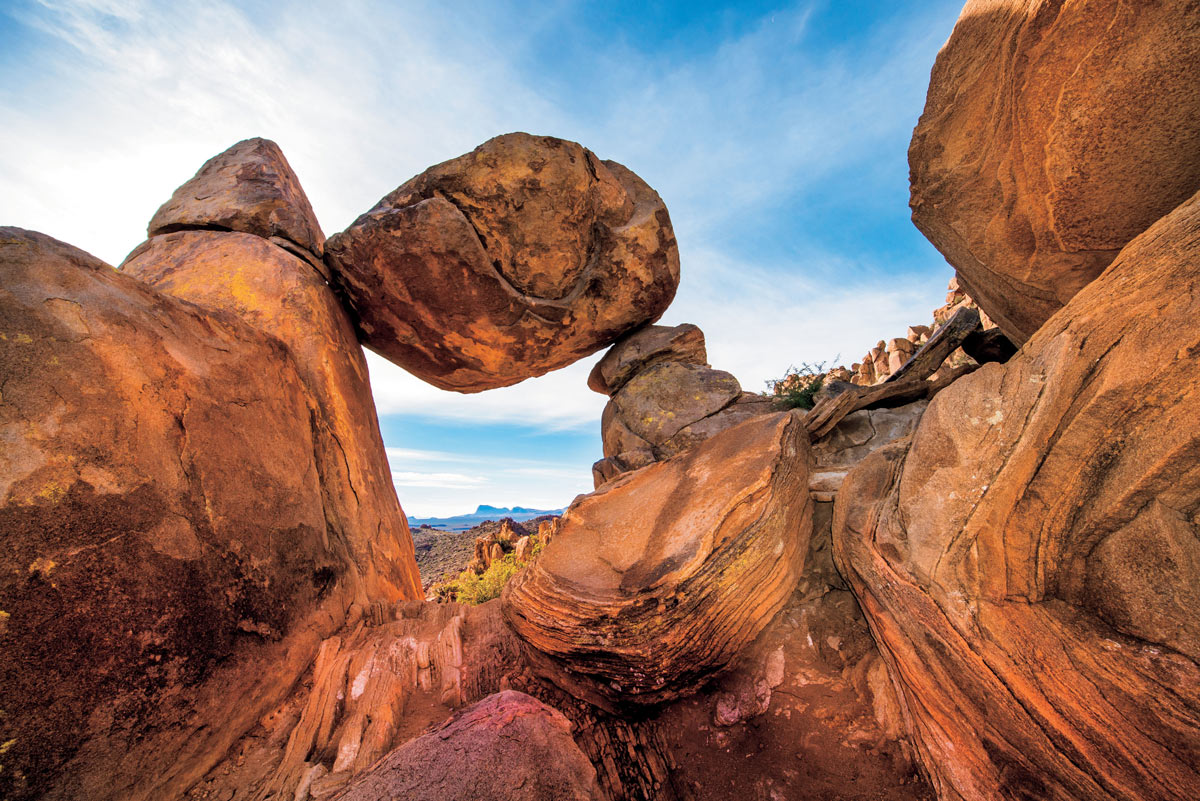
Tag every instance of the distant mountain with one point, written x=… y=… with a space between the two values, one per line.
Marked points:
x=481 y=515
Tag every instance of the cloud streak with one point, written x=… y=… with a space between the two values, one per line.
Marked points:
x=778 y=149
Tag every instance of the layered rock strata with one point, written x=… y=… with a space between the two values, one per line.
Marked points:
x=645 y=592
x=1053 y=134
x=513 y=260
x=1028 y=563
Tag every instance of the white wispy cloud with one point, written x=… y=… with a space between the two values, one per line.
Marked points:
x=101 y=127
x=442 y=480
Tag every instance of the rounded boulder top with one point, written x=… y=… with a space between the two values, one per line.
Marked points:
x=520 y=257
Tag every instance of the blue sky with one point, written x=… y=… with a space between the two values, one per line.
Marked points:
x=775 y=132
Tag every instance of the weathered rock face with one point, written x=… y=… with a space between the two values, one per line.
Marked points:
x=1029 y=564
x=249 y=188
x=665 y=399
x=637 y=351
x=518 y=258
x=659 y=580
x=657 y=403
x=1054 y=133
x=856 y=437
x=161 y=503
x=507 y=746
x=282 y=296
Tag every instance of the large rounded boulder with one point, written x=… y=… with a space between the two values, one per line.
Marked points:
x=515 y=259
x=658 y=581
x=1054 y=133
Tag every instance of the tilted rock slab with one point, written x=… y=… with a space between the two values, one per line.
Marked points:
x=167 y=564
x=507 y=747
x=1053 y=134
x=656 y=582
x=1030 y=565
x=249 y=188
x=284 y=297
x=513 y=260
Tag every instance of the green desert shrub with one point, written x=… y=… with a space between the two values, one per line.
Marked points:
x=475 y=588
x=798 y=386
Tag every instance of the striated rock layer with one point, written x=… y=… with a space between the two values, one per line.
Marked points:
x=513 y=260
x=1029 y=563
x=1054 y=132
x=659 y=580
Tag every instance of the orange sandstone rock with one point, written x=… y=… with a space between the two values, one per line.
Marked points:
x=658 y=581
x=249 y=188
x=282 y=296
x=1029 y=564
x=168 y=566
x=1053 y=134
x=513 y=260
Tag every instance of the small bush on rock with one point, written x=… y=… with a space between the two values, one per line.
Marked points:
x=798 y=386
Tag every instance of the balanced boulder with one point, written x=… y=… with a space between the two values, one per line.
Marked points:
x=658 y=581
x=1054 y=133
x=513 y=260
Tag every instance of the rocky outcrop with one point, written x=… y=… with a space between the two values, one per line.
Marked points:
x=248 y=188
x=665 y=399
x=1053 y=133
x=165 y=526
x=283 y=296
x=682 y=344
x=508 y=747
x=893 y=359
x=854 y=438
x=659 y=580
x=515 y=259
x=1028 y=564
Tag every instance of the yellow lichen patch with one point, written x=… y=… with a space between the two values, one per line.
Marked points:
x=52 y=492
x=4 y=616
x=7 y=745
x=42 y=565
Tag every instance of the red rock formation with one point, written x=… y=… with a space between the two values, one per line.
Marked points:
x=284 y=297
x=249 y=188
x=513 y=260
x=1054 y=132
x=507 y=747
x=1029 y=565
x=659 y=580
x=165 y=529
